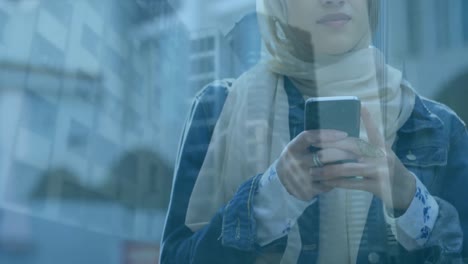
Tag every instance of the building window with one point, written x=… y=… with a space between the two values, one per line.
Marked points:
x=87 y=91
x=414 y=14
x=90 y=40
x=464 y=16
x=39 y=115
x=23 y=183
x=3 y=21
x=442 y=24
x=114 y=61
x=78 y=138
x=103 y=151
x=202 y=65
x=62 y=10
x=45 y=54
x=203 y=44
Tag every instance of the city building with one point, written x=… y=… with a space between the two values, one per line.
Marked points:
x=211 y=58
x=91 y=117
x=245 y=42
x=429 y=40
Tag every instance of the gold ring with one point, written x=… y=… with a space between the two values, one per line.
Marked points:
x=316 y=160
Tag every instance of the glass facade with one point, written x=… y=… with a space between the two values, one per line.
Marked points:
x=94 y=97
x=463 y=10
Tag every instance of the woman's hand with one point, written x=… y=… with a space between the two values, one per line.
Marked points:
x=296 y=161
x=382 y=172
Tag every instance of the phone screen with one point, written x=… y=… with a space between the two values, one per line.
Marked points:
x=341 y=113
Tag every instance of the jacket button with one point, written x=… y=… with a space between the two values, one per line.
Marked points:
x=373 y=257
x=411 y=156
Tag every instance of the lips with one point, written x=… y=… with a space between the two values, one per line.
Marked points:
x=334 y=18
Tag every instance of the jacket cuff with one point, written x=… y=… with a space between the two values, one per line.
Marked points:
x=239 y=226
x=275 y=209
x=413 y=228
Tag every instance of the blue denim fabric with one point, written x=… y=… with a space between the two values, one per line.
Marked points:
x=433 y=144
x=238 y=230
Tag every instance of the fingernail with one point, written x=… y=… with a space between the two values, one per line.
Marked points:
x=340 y=134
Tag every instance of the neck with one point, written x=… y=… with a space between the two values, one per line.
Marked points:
x=323 y=59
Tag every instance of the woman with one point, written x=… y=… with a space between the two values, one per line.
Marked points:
x=252 y=187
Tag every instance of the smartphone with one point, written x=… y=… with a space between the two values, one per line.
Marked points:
x=341 y=113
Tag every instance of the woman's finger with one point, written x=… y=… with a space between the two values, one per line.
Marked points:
x=329 y=156
x=347 y=144
x=357 y=146
x=336 y=171
x=373 y=133
x=305 y=139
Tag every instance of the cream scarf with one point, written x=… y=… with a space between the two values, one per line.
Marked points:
x=253 y=129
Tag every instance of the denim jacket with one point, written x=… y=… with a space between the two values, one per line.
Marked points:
x=433 y=144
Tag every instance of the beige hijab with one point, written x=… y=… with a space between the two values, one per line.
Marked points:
x=253 y=127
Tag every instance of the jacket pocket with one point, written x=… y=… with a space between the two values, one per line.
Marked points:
x=424 y=156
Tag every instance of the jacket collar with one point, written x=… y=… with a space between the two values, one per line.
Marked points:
x=421 y=118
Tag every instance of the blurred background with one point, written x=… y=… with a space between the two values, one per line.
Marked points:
x=94 y=95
